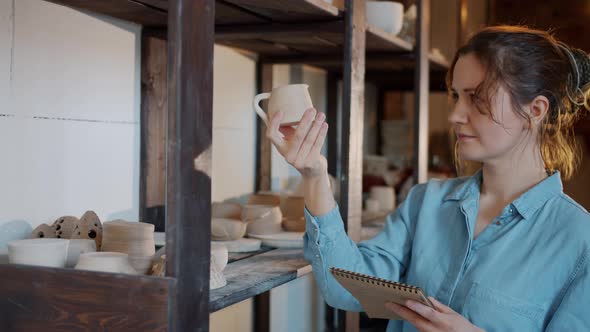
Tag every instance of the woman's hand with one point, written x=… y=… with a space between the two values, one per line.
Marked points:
x=301 y=146
x=426 y=319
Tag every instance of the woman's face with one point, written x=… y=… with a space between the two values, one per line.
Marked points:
x=479 y=137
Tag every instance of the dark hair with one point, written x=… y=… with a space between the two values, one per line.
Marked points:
x=531 y=63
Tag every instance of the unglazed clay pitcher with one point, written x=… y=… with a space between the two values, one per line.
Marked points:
x=293 y=100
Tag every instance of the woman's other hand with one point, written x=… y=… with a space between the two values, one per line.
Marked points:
x=427 y=319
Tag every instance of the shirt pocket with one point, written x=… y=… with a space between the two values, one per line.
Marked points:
x=495 y=311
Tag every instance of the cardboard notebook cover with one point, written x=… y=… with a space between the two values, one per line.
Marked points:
x=372 y=293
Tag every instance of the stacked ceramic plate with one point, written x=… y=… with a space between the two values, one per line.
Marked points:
x=133 y=238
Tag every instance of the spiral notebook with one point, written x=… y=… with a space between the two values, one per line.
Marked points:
x=372 y=293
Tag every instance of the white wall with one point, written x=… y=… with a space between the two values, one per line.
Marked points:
x=70 y=83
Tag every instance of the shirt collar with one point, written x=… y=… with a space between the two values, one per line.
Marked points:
x=529 y=202
x=470 y=185
x=526 y=205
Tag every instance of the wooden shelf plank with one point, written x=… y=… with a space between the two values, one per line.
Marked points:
x=287 y=10
x=122 y=9
x=258 y=274
x=51 y=299
x=379 y=40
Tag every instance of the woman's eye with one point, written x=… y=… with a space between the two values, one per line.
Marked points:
x=454 y=97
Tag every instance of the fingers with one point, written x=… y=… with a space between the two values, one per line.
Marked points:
x=319 y=141
x=273 y=134
x=424 y=311
x=300 y=134
x=439 y=306
x=309 y=141
x=406 y=314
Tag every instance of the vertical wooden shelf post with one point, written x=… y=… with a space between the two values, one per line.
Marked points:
x=353 y=99
x=154 y=108
x=188 y=185
x=422 y=87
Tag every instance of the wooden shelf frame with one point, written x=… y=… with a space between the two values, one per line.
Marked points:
x=177 y=59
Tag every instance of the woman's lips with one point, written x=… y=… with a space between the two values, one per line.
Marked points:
x=463 y=137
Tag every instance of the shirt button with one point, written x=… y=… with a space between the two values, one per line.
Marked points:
x=510 y=210
x=498 y=222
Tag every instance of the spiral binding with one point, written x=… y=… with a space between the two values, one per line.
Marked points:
x=374 y=280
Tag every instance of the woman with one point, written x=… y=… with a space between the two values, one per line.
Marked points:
x=502 y=250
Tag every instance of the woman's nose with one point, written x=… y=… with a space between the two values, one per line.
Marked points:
x=458 y=114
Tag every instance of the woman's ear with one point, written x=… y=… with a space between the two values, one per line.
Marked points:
x=538 y=109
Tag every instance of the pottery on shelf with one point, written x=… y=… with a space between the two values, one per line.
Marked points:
x=281 y=240
x=293 y=208
x=220 y=253
x=158 y=267
x=265 y=198
x=294 y=224
x=64 y=226
x=89 y=227
x=262 y=219
x=41 y=252
x=77 y=247
x=385 y=195
x=44 y=231
x=14 y=230
x=241 y=245
x=216 y=277
x=132 y=238
x=387 y=15
x=226 y=210
x=224 y=229
x=141 y=264
x=114 y=262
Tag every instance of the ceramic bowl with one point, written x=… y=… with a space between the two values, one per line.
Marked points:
x=77 y=247
x=386 y=15
x=226 y=210
x=114 y=262
x=223 y=229
x=41 y=252
x=14 y=230
x=262 y=219
x=141 y=264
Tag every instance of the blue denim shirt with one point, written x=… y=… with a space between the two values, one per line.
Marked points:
x=527 y=271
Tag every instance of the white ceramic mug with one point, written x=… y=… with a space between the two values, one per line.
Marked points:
x=385 y=196
x=293 y=100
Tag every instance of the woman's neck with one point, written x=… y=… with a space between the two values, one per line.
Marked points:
x=508 y=180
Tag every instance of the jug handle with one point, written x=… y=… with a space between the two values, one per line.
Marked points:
x=259 y=109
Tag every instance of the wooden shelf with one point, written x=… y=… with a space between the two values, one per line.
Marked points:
x=258 y=274
x=280 y=31
x=75 y=300
x=153 y=13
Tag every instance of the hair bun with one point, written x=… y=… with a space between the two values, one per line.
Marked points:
x=583 y=66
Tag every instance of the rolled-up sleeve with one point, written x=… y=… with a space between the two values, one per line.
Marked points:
x=327 y=245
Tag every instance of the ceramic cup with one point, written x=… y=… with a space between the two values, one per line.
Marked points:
x=293 y=100
x=41 y=252
x=372 y=205
x=387 y=15
x=385 y=195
